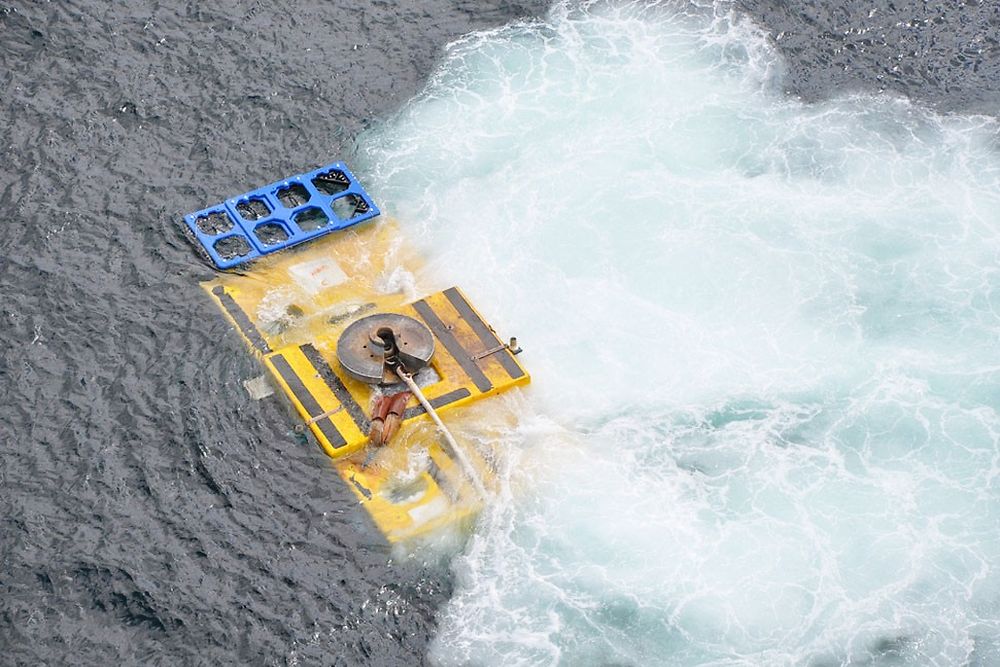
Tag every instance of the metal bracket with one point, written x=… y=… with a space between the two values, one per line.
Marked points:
x=301 y=428
x=512 y=347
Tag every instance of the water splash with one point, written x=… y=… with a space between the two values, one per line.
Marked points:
x=763 y=336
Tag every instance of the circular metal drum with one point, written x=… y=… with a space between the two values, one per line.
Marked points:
x=361 y=353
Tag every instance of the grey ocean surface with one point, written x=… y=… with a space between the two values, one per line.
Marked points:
x=150 y=511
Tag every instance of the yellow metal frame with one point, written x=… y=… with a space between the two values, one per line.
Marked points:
x=291 y=308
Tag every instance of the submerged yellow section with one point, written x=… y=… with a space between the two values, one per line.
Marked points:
x=292 y=309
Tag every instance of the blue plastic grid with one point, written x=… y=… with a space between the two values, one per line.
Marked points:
x=301 y=208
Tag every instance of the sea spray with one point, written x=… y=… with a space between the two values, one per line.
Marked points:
x=763 y=336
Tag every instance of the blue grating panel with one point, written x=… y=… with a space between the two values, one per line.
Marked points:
x=280 y=215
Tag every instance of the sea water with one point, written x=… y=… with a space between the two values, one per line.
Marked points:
x=764 y=338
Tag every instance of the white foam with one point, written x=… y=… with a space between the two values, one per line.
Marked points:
x=763 y=340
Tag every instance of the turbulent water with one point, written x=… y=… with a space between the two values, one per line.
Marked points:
x=763 y=334
x=759 y=299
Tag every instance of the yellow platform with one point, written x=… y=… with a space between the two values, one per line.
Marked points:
x=291 y=309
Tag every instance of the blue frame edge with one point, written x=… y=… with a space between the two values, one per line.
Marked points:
x=244 y=227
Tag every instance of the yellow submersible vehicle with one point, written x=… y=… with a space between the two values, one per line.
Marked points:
x=366 y=368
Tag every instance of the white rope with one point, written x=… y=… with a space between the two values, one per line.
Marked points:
x=463 y=458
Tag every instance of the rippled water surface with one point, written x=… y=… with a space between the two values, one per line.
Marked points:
x=759 y=299
x=150 y=512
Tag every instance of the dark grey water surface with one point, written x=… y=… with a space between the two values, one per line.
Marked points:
x=941 y=53
x=150 y=512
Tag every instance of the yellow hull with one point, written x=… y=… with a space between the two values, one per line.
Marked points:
x=291 y=310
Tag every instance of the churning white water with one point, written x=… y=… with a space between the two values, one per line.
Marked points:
x=764 y=338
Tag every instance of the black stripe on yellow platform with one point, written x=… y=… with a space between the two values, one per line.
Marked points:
x=336 y=386
x=308 y=401
x=242 y=321
x=454 y=347
x=442 y=481
x=438 y=402
x=481 y=329
x=365 y=491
